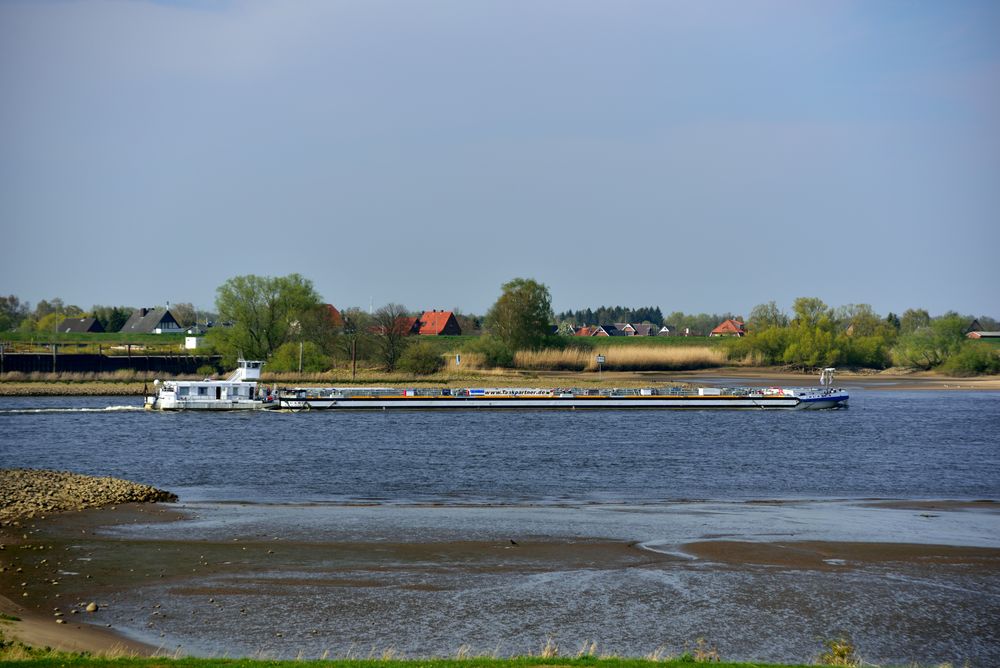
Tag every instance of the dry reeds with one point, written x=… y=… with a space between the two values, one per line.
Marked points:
x=623 y=358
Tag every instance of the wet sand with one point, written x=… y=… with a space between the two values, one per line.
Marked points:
x=171 y=585
x=819 y=555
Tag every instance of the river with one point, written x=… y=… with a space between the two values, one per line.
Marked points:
x=408 y=525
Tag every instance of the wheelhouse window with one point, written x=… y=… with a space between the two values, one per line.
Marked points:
x=183 y=391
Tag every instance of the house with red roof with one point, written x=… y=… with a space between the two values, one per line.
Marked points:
x=729 y=328
x=333 y=316
x=439 y=323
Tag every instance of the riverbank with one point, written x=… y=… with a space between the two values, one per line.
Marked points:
x=893 y=379
x=27 y=493
x=29 y=587
x=351 y=582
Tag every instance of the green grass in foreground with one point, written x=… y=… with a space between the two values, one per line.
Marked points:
x=13 y=652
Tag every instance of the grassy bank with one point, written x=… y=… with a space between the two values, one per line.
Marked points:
x=584 y=657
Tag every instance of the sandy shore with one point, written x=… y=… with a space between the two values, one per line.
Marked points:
x=31 y=570
x=32 y=573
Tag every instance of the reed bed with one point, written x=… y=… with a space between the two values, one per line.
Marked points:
x=623 y=358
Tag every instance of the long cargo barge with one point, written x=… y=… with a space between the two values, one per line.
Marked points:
x=566 y=399
x=242 y=391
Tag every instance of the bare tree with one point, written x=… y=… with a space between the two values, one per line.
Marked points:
x=391 y=325
x=357 y=335
x=184 y=313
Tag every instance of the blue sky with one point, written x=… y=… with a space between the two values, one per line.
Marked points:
x=696 y=156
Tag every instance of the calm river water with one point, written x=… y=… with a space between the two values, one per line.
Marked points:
x=653 y=480
x=887 y=445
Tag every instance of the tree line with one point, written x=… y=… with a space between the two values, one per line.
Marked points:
x=816 y=335
x=285 y=321
x=48 y=314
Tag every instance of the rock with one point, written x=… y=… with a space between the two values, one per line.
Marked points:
x=24 y=492
x=92 y=607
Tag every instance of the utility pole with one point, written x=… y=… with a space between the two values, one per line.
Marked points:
x=300 y=357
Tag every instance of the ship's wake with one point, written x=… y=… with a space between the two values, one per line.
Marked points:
x=106 y=409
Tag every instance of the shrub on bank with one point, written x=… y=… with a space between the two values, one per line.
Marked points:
x=421 y=359
x=972 y=359
x=286 y=358
x=493 y=351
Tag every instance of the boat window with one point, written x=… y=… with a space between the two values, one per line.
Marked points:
x=183 y=391
x=202 y=391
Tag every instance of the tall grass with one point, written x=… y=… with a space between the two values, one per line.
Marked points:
x=623 y=358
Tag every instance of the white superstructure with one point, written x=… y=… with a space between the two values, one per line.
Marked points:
x=240 y=391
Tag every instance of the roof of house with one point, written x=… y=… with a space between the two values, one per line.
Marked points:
x=584 y=331
x=80 y=325
x=333 y=314
x=407 y=324
x=435 y=322
x=147 y=320
x=729 y=327
x=607 y=330
x=983 y=335
x=645 y=329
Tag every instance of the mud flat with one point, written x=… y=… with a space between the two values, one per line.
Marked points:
x=244 y=579
x=31 y=571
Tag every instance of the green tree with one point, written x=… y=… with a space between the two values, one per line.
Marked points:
x=286 y=357
x=767 y=315
x=521 y=318
x=112 y=318
x=12 y=312
x=914 y=319
x=265 y=311
x=809 y=310
x=929 y=346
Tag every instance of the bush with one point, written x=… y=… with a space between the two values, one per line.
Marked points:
x=972 y=359
x=421 y=359
x=493 y=350
x=286 y=358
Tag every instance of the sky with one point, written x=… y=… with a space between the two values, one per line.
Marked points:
x=697 y=156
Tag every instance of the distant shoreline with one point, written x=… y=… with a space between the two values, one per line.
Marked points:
x=891 y=379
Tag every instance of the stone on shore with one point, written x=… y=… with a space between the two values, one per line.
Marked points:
x=26 y=493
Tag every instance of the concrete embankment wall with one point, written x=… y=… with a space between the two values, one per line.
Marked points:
x=90 y=363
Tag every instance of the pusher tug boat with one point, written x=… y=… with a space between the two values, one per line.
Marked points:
x=749 y=398
x=241 y=391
